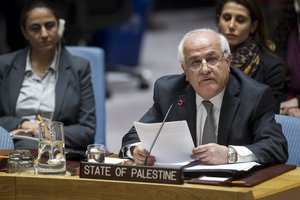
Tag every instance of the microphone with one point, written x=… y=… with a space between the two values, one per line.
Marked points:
x=179 y=103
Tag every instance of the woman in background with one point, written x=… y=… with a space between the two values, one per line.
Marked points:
x=288 y=34
x=45 y=79
x=242 y=23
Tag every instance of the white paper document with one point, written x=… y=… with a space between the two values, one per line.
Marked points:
x=237 y=166
x=174 y=144
x=109 y=160
x=25 y=137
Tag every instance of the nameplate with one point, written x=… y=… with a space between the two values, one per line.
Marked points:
x=131 y=173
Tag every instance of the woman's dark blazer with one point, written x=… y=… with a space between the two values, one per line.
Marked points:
x=271 y=72
x=74 y=98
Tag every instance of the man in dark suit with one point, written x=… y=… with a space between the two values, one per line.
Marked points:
x=242 y=109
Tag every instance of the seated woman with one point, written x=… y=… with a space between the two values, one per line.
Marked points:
x=45 y=79
x=242 y=23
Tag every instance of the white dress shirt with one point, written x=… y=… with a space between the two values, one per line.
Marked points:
x=243 y=153
x=37 y=95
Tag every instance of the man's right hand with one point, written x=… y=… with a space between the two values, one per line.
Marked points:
x=139 y=155
x=25 y=132
x=30 y=126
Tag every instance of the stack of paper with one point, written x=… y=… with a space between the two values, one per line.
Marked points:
x=174 y=144
x=237 y=167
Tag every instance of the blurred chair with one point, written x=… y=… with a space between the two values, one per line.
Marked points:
x=116 y=26
x=93 y=15
x=95 y=56
x=122 y=42
x=6 y=141
x=291 y=130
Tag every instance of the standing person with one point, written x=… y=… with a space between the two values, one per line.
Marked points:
x=242 y=23
x=242 y=109
x=46 y=79
x=288 y=31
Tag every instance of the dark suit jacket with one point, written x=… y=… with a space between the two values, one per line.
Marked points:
x=74 y=99
x=246 y=116
x=271 y=72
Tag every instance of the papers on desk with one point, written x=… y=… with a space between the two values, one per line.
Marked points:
x=173 y=146
x=236 y=167
x=109 y=160
x=227 y=170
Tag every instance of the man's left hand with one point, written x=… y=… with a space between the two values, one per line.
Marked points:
x=211 y=154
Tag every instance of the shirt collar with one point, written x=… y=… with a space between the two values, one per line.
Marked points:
x=53 y=65
x=216 y=100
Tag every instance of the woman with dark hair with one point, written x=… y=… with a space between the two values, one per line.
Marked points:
x=242 y=23
x=45 y=79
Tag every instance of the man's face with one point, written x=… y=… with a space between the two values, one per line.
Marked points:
x=207 y=80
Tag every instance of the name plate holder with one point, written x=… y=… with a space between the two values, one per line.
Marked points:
x=131 y=173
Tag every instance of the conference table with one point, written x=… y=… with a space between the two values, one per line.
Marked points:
x=27 y=186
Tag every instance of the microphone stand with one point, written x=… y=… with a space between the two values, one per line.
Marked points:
x=158 y=132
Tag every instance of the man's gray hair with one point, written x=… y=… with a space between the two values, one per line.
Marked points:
x=225 y=49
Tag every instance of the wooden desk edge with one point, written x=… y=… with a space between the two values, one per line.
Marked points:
x=288 y=187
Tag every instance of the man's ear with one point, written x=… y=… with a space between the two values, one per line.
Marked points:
x=229 y=59
x=184 y=70
x=182 y=67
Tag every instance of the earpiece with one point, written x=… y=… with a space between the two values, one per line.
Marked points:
x=297 y=6
x=61 y=27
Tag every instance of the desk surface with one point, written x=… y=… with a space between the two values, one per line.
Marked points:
x=17 y=186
